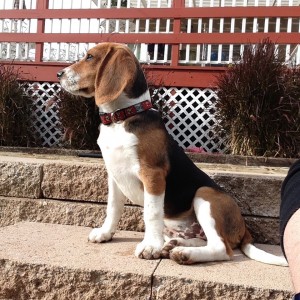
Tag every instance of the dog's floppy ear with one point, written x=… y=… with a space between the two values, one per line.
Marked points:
x=115 y=74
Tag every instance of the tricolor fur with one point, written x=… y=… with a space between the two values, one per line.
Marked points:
x=182 y=204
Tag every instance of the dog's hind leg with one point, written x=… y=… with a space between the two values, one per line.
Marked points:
x=215 y=250
x=115 y=205
x=171 y=243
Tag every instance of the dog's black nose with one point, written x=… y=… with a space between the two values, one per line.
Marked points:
x=60 y=74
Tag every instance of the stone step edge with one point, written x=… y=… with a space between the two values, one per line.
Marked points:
x=196 y=157
x=12 y=210
x=73 y=181
x=56 y=261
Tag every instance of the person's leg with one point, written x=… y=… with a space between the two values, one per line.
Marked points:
x=291 y=241
x=290 y=222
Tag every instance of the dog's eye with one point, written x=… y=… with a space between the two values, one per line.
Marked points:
x=89 y=57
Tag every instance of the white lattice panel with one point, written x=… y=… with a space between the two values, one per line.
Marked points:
x=45 y=119
x=188 y=115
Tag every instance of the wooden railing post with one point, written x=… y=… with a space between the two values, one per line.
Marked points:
x=176 y=29
x=39 y=47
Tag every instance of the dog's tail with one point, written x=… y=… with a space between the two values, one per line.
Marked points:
x=260 y=255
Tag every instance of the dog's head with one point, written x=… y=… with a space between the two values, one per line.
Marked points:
x=106 y=71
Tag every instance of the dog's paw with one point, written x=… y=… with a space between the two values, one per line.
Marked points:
x=181 y=255
x=99 y=235
x=149 y=250
x=168 y=246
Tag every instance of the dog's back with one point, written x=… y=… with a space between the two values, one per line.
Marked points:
x=183 y=176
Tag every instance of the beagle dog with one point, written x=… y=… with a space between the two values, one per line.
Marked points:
x=182 y=205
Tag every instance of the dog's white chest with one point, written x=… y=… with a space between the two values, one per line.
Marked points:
x=118 y=148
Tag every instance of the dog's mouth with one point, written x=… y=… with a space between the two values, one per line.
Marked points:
x=84 y=92
x=70 y=83
x=69 y=86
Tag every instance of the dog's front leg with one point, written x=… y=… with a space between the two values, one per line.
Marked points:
x=115 y=205
x=151 y=246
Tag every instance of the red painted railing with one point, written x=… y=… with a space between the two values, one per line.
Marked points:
x=170 y=75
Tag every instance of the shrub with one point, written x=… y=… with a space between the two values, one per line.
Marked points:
x=15 y=110
x=259 y=104
x=80 y=121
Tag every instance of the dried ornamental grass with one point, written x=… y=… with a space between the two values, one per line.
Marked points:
x=15 y=110
x=258 y=106
x=80 y=121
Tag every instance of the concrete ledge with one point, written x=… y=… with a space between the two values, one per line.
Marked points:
x=20 y=179
x=39 y=261
x=74 y=178
x=70 y=178
x=196 y=157
x=257 y=194
x=76 y=181
x=46 y=261
x=12 y=210
x=238 y=279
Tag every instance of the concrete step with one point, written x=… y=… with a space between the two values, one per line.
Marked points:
x=46 y=177
x=48 y=261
